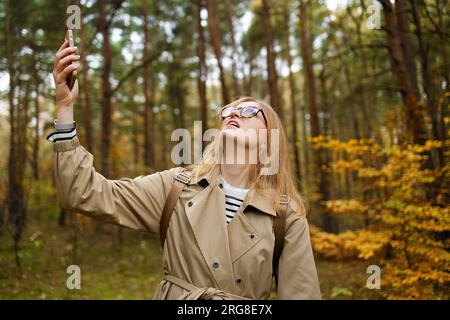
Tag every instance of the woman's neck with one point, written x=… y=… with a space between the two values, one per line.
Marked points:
x=236 y=174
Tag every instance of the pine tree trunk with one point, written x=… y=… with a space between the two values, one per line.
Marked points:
x=436 y=121
x=272 y=76
x=229 y=11
x=292 y=91
x=106 y=105
x=214 y=31
x=85 y=88
x=16 y=200
x=37 y=112
x=320 y=157
x=149 y=149
x=202 y=69
x=403 y=70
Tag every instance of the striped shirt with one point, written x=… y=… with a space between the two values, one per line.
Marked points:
x=60 y=135
x=234 y=197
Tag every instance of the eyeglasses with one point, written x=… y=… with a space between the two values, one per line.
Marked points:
x=245 y=112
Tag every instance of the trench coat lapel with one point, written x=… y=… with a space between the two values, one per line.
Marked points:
x=242 y=234
x=206 y=216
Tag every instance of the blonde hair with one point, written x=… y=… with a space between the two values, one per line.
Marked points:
x=273 y=186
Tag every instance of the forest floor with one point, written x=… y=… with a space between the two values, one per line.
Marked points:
x=120 y=269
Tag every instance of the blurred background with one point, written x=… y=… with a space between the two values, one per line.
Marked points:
x=362 y=88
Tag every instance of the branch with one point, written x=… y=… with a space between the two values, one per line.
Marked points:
x=116 y=7
x=134 y=69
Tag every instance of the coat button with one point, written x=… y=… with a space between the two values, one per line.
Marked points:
x=238 y=280
x=220 y=186
x=215 y=265
x=190 y=204
x=252 y=236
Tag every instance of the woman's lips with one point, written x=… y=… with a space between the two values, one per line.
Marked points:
x=233 y=123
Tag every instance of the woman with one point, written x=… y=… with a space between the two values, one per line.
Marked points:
x=220 y=239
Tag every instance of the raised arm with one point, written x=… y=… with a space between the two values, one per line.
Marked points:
x=133 y=203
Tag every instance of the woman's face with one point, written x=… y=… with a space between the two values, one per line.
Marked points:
x=246 y=133
x=235 y=121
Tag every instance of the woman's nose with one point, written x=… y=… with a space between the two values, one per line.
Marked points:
x=235 y=112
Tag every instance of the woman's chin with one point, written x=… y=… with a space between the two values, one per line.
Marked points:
x=231 y=131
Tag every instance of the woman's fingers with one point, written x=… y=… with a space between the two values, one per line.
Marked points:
x=63 y=45
x=65 y=61
x=62 y=76
x=61 y=54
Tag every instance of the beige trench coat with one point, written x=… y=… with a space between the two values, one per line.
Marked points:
x=200 y=249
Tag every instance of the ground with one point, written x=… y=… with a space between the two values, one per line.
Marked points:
x=120 y=265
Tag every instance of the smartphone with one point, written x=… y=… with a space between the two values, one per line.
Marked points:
x=72 y=77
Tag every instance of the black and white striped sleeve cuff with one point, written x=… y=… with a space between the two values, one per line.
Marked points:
x=62 y=135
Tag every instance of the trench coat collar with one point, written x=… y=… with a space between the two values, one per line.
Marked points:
x=254 y=198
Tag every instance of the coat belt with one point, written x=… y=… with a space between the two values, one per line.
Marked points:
x=205 y=293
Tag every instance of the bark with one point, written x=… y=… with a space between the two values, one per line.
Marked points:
x=87 y=107
x=427 y=83
x=272 y=77
x=214 y=31
x=106 y=105
x=306 y=53
x=229 y=12
x=292 y=91
x=319 y=158
x=16 y=200
x=366 y=96
x=37 y=111
x=202 y=69
x=402 y=69
x=149 y=148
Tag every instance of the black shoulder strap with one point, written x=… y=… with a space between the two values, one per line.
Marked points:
x=181 y=180
x=279 y=228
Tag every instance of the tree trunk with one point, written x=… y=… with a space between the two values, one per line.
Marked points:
x=37 y=112
x=106 y=90
x=366 y=97
x=16 y=201
x=249 y=83
x=306 y=53
x=214 y=31
x=319 y=158
x=272 y=77
x=292 y=91
x=402 y=68
x=149 y=149
x=202 y=69
x=87 y=109
x=235 y=56
x=427 y=82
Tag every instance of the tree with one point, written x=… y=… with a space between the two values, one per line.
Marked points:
x=87 y=108
x=229 y=13
x=320 y=158
x=16 y=199
x=403 y=68
x=214 y=31
x=202 y=68
x=149 y=149
x=292 y=92
x=272 y=77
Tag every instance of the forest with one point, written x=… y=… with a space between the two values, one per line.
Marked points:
x=362 y=88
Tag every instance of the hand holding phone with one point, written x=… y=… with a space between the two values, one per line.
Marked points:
x=72 y=77
x=66 y=88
